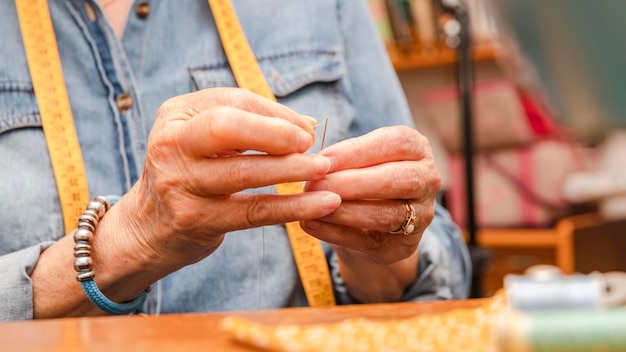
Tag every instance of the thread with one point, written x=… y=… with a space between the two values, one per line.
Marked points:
x=565 y=292
x=272 y=191
x=261 y=267
x=560 y=331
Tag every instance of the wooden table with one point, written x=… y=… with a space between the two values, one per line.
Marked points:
x=184 y=332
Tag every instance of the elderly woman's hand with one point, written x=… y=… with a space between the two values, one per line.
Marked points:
x=388 y=182
x=189 y=194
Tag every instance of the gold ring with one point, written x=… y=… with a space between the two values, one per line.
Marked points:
x=408 y=225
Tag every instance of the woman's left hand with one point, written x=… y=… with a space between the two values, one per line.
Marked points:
x=376 y=175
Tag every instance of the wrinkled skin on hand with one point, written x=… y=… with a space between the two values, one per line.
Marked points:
x=373 y=174
x=189 y=195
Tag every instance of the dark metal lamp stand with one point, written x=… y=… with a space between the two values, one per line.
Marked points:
x=457 y=32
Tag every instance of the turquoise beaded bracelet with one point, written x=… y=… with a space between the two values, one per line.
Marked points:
x=87 y=224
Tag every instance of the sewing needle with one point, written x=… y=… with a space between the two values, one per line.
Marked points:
x=324 y=134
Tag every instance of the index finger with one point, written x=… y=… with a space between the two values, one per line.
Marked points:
x=188 y=105
x=224 y=129
x=387 y=144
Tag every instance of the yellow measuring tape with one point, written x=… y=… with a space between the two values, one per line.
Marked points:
x=307 y=250
x=54 y=108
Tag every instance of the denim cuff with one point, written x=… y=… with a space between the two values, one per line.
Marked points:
x=444 y=265
x=16 y=295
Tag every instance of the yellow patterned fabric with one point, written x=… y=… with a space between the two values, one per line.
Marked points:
x=463 y=329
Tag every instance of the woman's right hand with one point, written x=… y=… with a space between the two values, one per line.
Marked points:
x=189 y=195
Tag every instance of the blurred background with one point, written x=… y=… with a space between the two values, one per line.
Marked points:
x=548 y=107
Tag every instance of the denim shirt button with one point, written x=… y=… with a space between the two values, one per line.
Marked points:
x=124 y=102
x=143 y=10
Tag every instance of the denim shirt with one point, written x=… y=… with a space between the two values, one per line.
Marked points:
x=322 y=58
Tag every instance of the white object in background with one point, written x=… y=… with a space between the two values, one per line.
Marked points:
x=607 y=185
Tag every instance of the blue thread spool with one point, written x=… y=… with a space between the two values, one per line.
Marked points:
x=528 y=293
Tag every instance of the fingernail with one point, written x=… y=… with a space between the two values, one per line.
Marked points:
x=331 y=200
x=305 y=141
x=322 y=165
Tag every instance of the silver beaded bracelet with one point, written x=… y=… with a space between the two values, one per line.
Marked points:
x=87 y=224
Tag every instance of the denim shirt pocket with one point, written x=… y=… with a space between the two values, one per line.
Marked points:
x=18 y=106
x=306 y=80
x=285 y=72
x=27 y=176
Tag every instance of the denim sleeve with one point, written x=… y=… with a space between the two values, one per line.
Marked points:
x=444 y=265
x=445 y=268
x=16 y=289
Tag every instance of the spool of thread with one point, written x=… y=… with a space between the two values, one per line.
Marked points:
x=562 y=292
x=556 y=331
x=615 y=294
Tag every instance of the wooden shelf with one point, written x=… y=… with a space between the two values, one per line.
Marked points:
x=528 y=238
x=418 y=57
x=512 y=251
x=579 y=243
